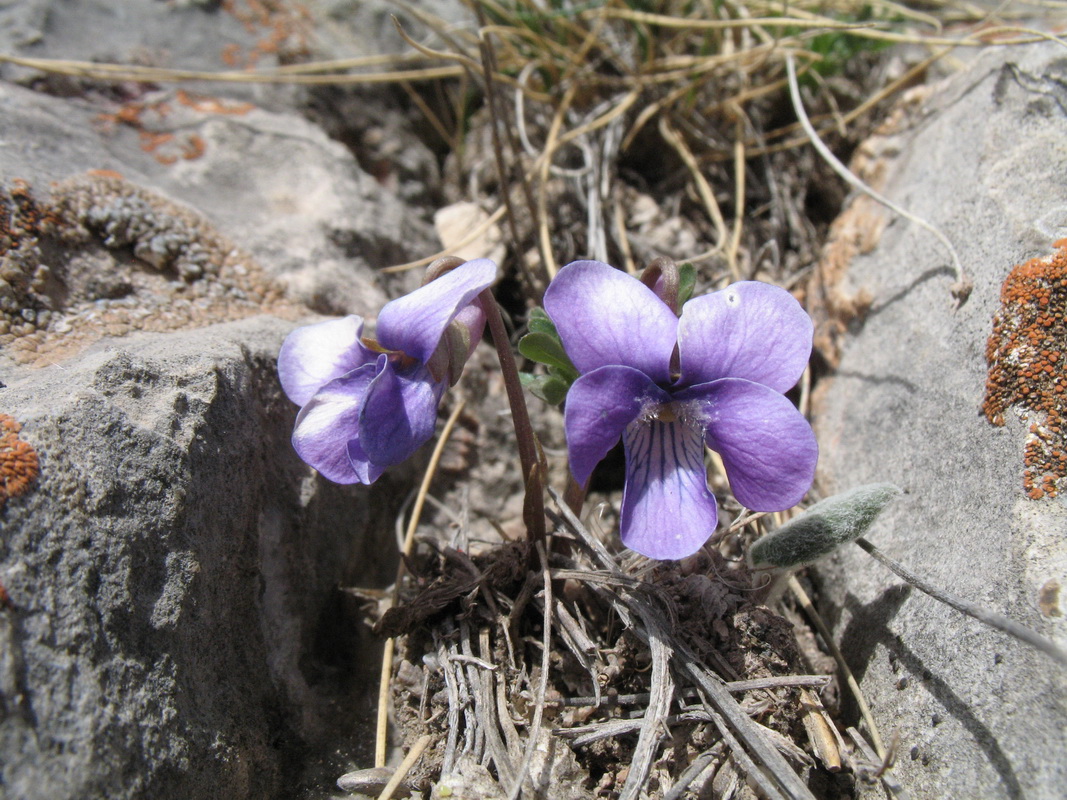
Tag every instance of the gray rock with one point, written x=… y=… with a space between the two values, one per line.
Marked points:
x=183 y=35
x=272 y=182
x=288 y=191
x=369 y=24
x=977 y=713
x=177 y=628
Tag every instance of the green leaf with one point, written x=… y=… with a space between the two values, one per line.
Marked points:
x=549 y=388
x=547 y=349
x=822 y=528
x=687 y=281
x=540 y=322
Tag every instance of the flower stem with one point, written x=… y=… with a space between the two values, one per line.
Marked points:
x=533 y=507
x=574 y=496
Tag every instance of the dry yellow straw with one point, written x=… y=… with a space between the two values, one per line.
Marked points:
x=405 y=766
x=381 y=742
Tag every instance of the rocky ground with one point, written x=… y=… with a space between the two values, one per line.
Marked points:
x=172 y=618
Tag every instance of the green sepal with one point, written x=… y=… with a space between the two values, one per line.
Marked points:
x=550 y=388
x=822 y=528
x=547 y=349
x=687 y=281
x=540 y=322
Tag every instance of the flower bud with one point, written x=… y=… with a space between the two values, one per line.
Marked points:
x=822 y=528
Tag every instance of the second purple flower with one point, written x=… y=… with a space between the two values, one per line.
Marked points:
x=365 y=404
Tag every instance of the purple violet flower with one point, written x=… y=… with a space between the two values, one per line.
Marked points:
x=365 y=404
x=670 y=385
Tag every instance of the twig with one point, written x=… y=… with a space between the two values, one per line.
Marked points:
x=816 y=22
x=544 y=240
x=734 y=687
x=787 y=746
x=739 y=195
x=381 y=737
x=990 y=618
x=622 y=237
x=734 y=718
x=462 y=59
x=963 y=286
x=405 y=767
x=127 y=72
x=773 y=774
x=473 y=737
x=489 y=68
x=707 y=195
x=661 y=691
x=428 y=113
x=880 y=765
x=381 y=732
x=473 y=235
x=580 y=645
x=449 y=756
x=820 y=733
x=482 y=711
x=534 y=731
x=745 y=761
x=511 y=735
x=835 y=651
x=693 y=771
x=427 y=478
x=474 y=661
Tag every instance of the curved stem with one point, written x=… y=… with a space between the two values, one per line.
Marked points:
x=533 y=508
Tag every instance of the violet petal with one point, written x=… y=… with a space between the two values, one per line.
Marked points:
x=748 y=330
x=668 y=512
x=362 y=465
x=600 y=404
x=414 y=324
x=399 y=413
x=607 y=317
x=327 y=429
x=767 y=446
x=313 y=355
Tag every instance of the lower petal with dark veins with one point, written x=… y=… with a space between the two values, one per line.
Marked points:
x=668 y=512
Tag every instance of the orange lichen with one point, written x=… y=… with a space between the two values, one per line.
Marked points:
x=21 y=220
x=18 y=461
x=149 y=119
x=105 y=173
x=193 y=148
x=151 y=141
x=1027 y=369
x=212 y=105
x=285 y=29
x=231 y=55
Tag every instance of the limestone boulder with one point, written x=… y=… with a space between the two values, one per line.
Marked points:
x=981 y=156
x=172 y=622
x=176 y=627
